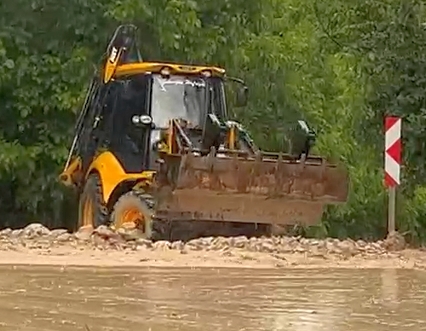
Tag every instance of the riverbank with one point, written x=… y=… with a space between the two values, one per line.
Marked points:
x=36 y=245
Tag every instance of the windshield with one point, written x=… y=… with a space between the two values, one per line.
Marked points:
x=178 y=97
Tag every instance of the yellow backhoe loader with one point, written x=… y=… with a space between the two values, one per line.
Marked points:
x=154 y=146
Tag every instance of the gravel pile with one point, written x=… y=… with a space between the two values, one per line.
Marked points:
x=36 y=236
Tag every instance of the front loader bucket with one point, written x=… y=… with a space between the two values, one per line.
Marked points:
x=271 y=189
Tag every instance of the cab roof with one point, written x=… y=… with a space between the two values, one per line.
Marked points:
x=157 y=67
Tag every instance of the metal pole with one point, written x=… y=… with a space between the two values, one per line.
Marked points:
x=391 y=209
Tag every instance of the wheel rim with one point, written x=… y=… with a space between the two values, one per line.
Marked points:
x=130 y=219
x=87 y=213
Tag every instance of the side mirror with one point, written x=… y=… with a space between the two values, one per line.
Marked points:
x=241 y=97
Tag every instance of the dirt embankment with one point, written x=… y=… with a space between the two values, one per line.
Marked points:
x=36 y=244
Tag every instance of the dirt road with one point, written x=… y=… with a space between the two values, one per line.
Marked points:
x=37 y=245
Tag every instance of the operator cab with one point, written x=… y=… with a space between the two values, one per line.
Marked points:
x=139 y=108
x=184 y=97
x=178 y=97
x=127 y=114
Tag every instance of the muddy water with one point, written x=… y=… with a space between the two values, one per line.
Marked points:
x=51 y=298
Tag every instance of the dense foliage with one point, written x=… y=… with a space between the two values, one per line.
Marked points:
x=339 y=64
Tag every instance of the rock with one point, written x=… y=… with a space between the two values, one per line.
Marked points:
x=371 y=249
x=117 y=241
x=191 y=247
x=347 y=247
x=130 y=234
x=99 y=242
x=231 y=242
x=335 y=246
x=394 y=242
x=43 y=243
x=139 y=248
x=317 y=252
x=299 y=249
x=219 y=243
x=144 y=242
x=252 y=246
x=131 y=245
x=207 y=241
x=195 y=244
x=162 y=245
x=178 y=245
x=336 y=250
x=276 y=240
x=267 y=247
x=84 y=233
x=321 y=244
x=284 y=241
x=57 y=232
x=210 y=241
x=35 y=230
x=361 y=243
x=285 y=248
x=104 y=232
x=5 y=232
x=64 y=237
x=240 y=242
x=15 y=234
x=109 y=237
x=329 y=245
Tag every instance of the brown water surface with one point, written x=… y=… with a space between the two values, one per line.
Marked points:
x=54 y=298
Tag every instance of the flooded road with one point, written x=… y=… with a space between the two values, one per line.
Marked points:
x=54 y=298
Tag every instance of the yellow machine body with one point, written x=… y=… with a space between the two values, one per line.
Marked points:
x=208 y=171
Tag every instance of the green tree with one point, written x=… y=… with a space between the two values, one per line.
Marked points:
x=341 y=65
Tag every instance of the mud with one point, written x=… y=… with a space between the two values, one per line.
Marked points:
x=210 y=299
x=36 y=244
x=254 y=188
x=105 y=280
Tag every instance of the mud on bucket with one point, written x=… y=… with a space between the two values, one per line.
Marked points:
x=266 y=189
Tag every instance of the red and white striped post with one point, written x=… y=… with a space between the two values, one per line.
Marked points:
x=392 y=164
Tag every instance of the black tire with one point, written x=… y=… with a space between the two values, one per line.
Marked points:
x=92 y=195
x=133 y=202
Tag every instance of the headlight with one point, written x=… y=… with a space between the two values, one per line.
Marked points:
x=142 y=119
x=136 y=119
x=145 y=119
